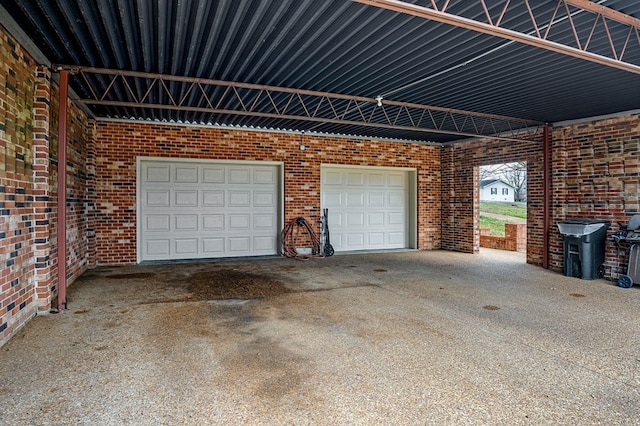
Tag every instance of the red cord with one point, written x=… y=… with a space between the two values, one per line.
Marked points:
x=291 y=234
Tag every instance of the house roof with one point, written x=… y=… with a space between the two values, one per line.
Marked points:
x=488 y=182
x=336 y=46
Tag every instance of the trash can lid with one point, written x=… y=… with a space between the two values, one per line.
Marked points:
x=584 y=221
x=579 y=226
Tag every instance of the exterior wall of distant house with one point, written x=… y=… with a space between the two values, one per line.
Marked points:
x=28 y=190
x=497 y=191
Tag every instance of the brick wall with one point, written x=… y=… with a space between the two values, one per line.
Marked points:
x=118 y=144
x=515 y=238
x=460 y=191
x=596 y=174
x=17 y=286
x=28 y=170
x=78 y=201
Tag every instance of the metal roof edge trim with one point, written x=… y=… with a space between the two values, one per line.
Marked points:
x=272 y=130
x=595 y=118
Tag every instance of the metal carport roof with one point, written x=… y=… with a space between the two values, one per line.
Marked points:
x=340 y=47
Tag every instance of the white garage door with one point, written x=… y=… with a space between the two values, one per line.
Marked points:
x=203 y=209
x=368 y=207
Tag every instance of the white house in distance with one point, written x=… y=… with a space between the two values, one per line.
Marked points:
x=496 y=190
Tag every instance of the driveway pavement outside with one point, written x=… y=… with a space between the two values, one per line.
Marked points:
x=395 y=338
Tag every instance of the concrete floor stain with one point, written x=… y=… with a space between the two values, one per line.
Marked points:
x=490 y=308
x=132 y=276
x=234 y=284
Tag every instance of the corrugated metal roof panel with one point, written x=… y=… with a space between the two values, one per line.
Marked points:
x=335 y=46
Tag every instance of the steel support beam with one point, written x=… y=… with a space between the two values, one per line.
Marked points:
x=116 y=88
x=546 y=184
x=62 y=190
x=605 y=12
x=537 y=38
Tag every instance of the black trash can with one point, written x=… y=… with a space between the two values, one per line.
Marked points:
x=584 y=242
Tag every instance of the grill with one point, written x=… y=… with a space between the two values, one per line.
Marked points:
x=629 y=236
x=629 y=233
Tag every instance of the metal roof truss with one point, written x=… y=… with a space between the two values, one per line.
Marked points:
x=604 y=40
x=216 y=98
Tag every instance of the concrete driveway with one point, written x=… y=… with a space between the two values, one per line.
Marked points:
x=396 y=338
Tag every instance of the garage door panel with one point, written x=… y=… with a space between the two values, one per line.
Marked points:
x=212 y=198
x=185 y=174
x=157 y=223
x=264 y=199
x=239 y=244
x=396 y=199
x=396 y=238
x=330 y=178
x=368 y=208
x=355 y=178
x=264 y=176
x=333 y=199
x=203 y=209
x=186 y=222
x=264 y=221
x=355 y=199
x=396 y=219
x=186 y=246
x=239 y=222
x=240 y=175
x=355 y=219
x=212 y=174
x=239 y=198
x=265 y=244
x=355 y=241
x=212 y=247
x=376 y=239
x=159 y=247
x=157 y=173
x=375 y=199
x=396 y=180
x=158 y=198
x=213 y=222
x=376 y=179
x=186 y=198
x=375 y=219
x=336 y=219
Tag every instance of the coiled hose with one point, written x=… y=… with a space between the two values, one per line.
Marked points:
x=299 y=231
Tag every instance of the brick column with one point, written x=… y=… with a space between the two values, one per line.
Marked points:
x=90 y=197
x=42 y=205
x=515 y=236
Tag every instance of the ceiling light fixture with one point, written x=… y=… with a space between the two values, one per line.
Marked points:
x=378 y=100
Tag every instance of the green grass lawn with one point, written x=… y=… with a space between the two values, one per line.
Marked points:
x=518 y=210
x=496 y=225
x=507 y=209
